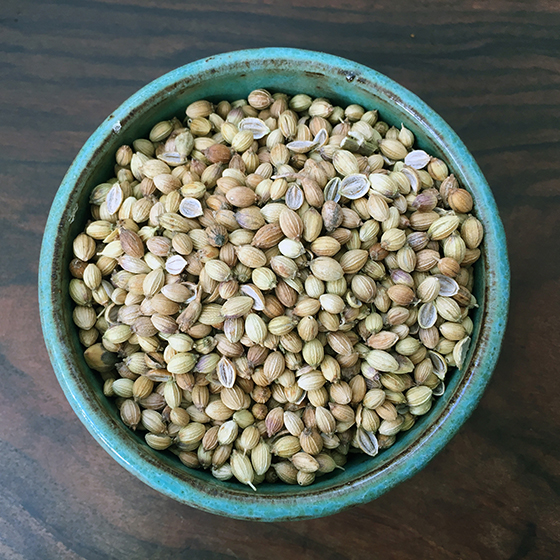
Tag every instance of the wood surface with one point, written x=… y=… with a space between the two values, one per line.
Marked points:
x=491 y=69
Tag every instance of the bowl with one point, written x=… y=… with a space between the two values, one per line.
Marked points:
x=233 y=75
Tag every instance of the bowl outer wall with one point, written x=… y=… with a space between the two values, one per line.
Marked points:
x=291 y=70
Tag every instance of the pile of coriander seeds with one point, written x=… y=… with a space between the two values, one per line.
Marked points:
x=273 y=283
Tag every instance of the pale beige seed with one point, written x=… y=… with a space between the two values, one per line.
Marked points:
x=201 y=108
x=312 y=225
x=291 y=224
x=286 y=446
x=172 y=394
x=345 y=162
x=326 y=269
x=340 y=393
x=84 y=246
x=307 y=306
x=325 y=420
x=249 y=438
x=308 y=328
x=353 y=261
x=92 y=276
x=387 y=188
x=428 y=290
x=313 y=353
x=142 y=387
x=264 y=278
x=232 y=397
x=391 y=427
x=393 y=149
x=242 y=468
x=305 y=462
x=417 y=396
x=311 y=441
x=448 y=309
x=453 y=331
x=227 y=432
x=472 y=232
x=153 y=421
x=237 y=307
x=153 y=282
x=251 y=257
x=130 y=413
x=118 y=334
x=274 y=366
x=218 y=270
x=244 y=418
x=218 y=411
x=123 y=387
x=181 y=363
x=79 y=292
x=290 y=248
x=286 y=472
x=293 y=423
x=284 y=267
x=393 y=239
x=330 y=368
x=179 y=417
x=443 y=227
x=364 y=288
x=382 y=361
x=255 y=328
x=281 y=325
x=325 y=246
x=242 y=141
x=267 y=236
x=314 y=287
x=311 y=381
x=158 y=441
x=261 y=458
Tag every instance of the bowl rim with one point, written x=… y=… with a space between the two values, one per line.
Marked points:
x=427 y=445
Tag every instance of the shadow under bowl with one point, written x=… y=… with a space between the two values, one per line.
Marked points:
x=232 y=76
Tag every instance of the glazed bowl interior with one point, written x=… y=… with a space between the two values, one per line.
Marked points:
x=233 y=76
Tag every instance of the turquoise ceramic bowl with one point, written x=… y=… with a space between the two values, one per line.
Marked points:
x=233 y=75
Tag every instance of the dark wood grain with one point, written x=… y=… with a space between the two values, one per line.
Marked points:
x=491 y=69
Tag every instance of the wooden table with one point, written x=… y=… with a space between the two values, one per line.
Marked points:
x=491 y=69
